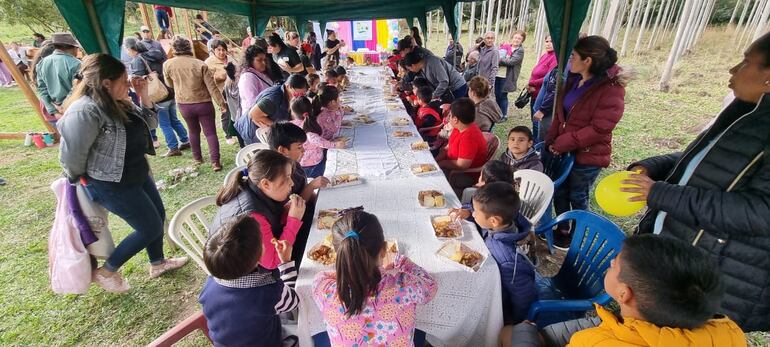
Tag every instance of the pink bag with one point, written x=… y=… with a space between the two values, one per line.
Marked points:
x=69 y=265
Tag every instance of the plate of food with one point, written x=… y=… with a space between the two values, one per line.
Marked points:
x=393 y=107
x=346 y=124
x=402 y=133
x=326 y=218
x=347 y=108
x=364 y=119
x=342 y=138
x=343 y=180
x=323 y=252
x=462 y=255
x=446 y=228
x=423 y=169
x=431 y=199
x=420 y=146
x=401 y=122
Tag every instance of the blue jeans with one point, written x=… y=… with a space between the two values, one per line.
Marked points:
x=169 y=124
x=141 y=207
x=535 y=124
x=500 y=96
x=317 y=169
x=573 y=193
x=461 y=92
x=162 y=17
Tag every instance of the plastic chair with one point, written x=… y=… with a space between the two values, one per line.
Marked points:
x=322 y=339
x=536 y=193
x=195 y=322
x=580 y=281
x=558 y=169
x=246 y=153
x=493 y=142
x=234 y=171
x=189 y=229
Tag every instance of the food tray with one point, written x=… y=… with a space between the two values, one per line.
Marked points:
x=403 y=134
x=344 y=180
x=420 y=146
x=449 y=248
x=401 y=122
x=456 y=226
x=392 y=246
x=434 y=194
x=347 y=124
x=421 y=169
x=319 y=246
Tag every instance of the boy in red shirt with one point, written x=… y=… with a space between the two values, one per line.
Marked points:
x=428 y=117
x=467 y=148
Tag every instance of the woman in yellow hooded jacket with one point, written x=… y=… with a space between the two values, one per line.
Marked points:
x=669 y=294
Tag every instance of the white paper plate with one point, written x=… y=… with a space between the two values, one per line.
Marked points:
x=447 y=249
x=458 y=224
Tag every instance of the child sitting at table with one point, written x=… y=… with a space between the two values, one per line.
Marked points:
x=496 y=209
x=669 y=294
x=331 y=77
x=242 y=300
x=327 y=106
x=428 y=118
x=313 y=161
x=372 y=295
x=492 y=171
x=262 y=191
x=342 y=78
x=467 y=146
x=521 y=152
x=313 y=81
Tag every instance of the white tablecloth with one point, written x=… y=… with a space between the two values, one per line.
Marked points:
x=466 y=311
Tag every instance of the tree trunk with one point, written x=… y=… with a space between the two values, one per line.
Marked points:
x=704 y=23
x=692 y=26
x=596 y=18
x=612 y=15
x=497 y=22
x=674 y=15
x=629 y=25
x=643 y=25
x=668 y=70
x=735 y=11
x=662 y=13
x=762 y=23
x=743 y=15
x=472 y=26
x=618 y=23
x=749 y=21
x=540 y=30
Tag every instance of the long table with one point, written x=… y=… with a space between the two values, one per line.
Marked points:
x=467 y=310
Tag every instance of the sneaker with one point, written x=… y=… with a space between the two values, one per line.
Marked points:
x=110 y=281
x=184 y=145
x=166 y=266
x=198 y=162
x=174 y=152
x=561 y=240
x=230 y=141
x=2 y=182
x=216 y=167
x=156 y=144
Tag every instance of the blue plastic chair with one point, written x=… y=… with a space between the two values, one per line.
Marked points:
x=322 y=339
x=580 y=281
x=557 y=168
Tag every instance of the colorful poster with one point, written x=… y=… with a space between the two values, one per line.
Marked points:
x=362 y=30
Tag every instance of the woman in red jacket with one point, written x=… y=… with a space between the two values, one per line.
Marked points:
x=588 y=107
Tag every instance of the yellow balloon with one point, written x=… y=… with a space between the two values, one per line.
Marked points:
x=612 y=200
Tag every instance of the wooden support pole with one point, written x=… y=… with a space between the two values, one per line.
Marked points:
x=472 y=26
x=189 y=31
x=25 y=88
x=146 y=18
x=12 y=136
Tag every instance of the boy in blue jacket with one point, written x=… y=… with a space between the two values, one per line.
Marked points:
x=242 y=300
x=495 y=209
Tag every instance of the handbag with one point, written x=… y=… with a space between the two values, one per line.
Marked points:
x=523 y=98
x=156 y=89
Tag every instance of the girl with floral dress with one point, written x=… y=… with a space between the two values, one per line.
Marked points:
x=314 y=159
x=327 y=106
x=371 y=297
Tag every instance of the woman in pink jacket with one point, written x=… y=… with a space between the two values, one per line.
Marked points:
x=545 y=64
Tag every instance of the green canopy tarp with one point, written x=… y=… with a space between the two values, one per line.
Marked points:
x=98 y=24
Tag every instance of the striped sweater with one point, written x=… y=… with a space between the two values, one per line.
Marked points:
x=245 y=311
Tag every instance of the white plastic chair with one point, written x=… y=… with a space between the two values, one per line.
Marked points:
x=189 y=229
x=234 y=171
x=263 y=135
x=535 y=191
x=245 y=154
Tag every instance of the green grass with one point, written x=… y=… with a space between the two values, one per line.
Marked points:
x=654 y=123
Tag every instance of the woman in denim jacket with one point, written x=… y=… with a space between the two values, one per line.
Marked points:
x=104 y=139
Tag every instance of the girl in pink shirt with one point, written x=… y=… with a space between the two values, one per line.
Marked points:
x=260 y=190
x=327 y=106
x=314 y=159
x=371 y=297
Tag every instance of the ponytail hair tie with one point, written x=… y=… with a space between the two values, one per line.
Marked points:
x=245 y=172
x=352 y=234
